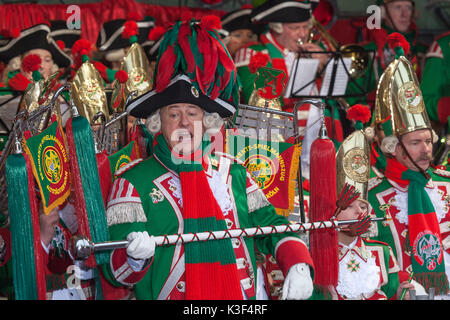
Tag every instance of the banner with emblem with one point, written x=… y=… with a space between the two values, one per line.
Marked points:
x=273 y=164
x=124 y=156
x=50 y=163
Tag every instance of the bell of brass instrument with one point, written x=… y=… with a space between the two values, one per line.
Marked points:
x=359 y=56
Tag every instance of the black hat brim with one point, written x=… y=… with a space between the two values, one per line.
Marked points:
x=110 y=37
x=281 y=11
x=61 y=32
x=180 y=90
x=36 y=37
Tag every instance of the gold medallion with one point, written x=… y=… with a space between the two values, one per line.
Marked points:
x=410 y=98
x=356 y=165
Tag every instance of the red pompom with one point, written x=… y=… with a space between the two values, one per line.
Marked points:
x=398 y=40
x=156 y=33
x=130 y=29
x=359 y=112
x=257 y=61
x=61 y=44
x=246 y=6
x=19 y=82
x=211 y=22
x=31 y=62
x=81 y=44
x=136 y=16
x=121 y=76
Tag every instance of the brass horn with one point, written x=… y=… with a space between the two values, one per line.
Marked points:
x=359 y=56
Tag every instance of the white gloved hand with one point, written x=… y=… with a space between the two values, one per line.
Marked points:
x=298 y=284
x=141 y=246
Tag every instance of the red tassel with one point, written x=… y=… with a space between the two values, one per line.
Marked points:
x=80 y=208
x=323 y=242
x=40 y=256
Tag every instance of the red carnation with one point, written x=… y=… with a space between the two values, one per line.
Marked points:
x=257 y=61
x=31 y=62
x=156 y=33
x=121 y=76
x=359 y=112
x=61 y=44
x=130 y=29
x=211 y=22
x=136 y=16
x=398 y=40
x=81 y=46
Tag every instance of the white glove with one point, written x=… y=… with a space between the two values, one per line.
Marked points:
x=298 y=284
x=141 y=246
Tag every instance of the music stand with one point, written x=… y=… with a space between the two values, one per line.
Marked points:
x=337 y=60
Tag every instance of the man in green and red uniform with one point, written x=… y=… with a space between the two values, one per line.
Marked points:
x=397 y=16
x=413 y=197
x=435 y=84
x=184 y=188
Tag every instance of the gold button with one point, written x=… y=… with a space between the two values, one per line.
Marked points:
x=180 y=285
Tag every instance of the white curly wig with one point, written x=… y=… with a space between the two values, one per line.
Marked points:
x=212 y=122
x=389 y=143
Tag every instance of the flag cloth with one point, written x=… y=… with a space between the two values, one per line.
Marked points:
x=273 y=164
x=50 y=163
x=124 y=156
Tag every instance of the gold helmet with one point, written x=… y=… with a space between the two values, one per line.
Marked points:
x=399 y=104
x=353 y=164
x=38 y=94
x=136 y=65
x=88 y=92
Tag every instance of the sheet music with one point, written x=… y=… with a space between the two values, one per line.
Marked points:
x=341 y=79
x=303 y=72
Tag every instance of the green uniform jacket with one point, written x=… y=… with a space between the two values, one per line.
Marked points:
x=435 y=84
x=147 y=197
x=389 y=200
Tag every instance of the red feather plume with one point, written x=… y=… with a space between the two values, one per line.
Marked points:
x=165 y=69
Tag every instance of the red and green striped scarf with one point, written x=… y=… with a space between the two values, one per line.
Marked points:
x=427 y=251
x=211 y=272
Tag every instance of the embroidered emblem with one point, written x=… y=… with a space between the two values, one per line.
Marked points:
x=356 y=165
x=427 y=250
x=156 y=195
x=410 y=98
x=194 y=92
x=352 y=264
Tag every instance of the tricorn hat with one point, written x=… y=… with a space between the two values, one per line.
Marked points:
x=36 y=37
x=284 y=11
